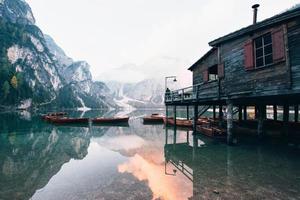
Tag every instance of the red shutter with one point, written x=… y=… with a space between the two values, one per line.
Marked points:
x=205 y=76
x=248 y=53
x=278 y=44
x=221 y=70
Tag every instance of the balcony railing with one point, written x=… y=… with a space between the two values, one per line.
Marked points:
x=196 y=92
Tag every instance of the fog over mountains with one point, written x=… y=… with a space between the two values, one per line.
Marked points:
x=36 y=73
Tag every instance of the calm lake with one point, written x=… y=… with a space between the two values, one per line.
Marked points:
x=41 y=161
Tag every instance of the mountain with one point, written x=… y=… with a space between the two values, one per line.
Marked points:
x=148 y=93
x=35 y=71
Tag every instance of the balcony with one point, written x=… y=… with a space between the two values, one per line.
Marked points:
x=201 y=92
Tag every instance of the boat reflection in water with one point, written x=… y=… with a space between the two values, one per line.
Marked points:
x=43 y=161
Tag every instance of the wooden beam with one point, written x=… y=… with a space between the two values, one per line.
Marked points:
x=240 y=113
x=167 y=113
x=245 y=113
x=275 y=112
x=229 y=123
x=256 y=112
x=214 y=112
x=195 y=118
x=261 y=115
x=175 y=115
x=286 y=113
x=296 y=108
x=187 y=112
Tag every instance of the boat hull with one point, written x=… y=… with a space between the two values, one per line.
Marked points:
x=57 y=120
x=110 y=120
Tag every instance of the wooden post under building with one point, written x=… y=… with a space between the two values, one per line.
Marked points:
x=214 y=112
x=195 y=118
x=240 y=113
x=261 y=115
x=296 y=109
x=275 y=112
x=187 y=112
x=175 y=116
x=286 y=113
x=229 y=122
x=245 y=113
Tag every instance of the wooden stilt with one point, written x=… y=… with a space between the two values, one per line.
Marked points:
x=220 y=115
x=245 y=113
x=167 y=135
x=195 y=118
x=256 y=112
x=175 y=115
x=167 y=113
x=275 y=112
x=175 y=135
x=286 y=113
x=229 y=122
x=188 y=137
x=260 y=117
x=214 y=112
x=240 y=113
x=187 y=112
x=296 y=108
x=220 y=112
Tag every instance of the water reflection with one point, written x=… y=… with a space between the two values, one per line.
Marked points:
x=31 y=152
x=42 y=161
x=246 y=172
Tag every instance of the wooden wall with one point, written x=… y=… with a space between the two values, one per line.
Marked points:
x=210 y=60
x=270 y=80
x=293 y=28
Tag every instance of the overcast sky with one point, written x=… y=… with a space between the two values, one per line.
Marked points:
x=144 y=38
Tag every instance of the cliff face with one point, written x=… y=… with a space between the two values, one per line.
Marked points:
x=35 y=71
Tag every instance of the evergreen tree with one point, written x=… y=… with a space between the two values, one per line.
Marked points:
x=5 y=89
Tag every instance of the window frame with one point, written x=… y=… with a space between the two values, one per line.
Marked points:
x=263 y=50
x=215 y=75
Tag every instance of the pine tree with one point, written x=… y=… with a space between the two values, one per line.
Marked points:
x=5 y=89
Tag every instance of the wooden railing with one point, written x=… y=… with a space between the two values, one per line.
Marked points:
x=196 y=92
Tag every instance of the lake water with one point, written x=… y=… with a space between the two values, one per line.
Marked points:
x=41 y=161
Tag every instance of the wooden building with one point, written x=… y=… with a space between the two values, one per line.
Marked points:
x=258 y=65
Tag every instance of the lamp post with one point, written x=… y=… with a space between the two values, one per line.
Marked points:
x=166 y=80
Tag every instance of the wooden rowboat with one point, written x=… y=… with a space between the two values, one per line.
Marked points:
x=212 y=131
x=179 y=122
x=114 y=120
x=66 y=120
x=154 y=118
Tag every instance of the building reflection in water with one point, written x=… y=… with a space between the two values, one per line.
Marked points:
x=242 y=172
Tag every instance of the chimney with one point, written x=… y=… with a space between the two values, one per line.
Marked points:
x=255 y=6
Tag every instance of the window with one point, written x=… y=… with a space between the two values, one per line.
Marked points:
x=263 y=50
x=213 y=73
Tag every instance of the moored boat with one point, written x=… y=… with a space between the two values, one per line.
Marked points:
x=66 y=120
x=113 y=120
x=212 y=131
x=179 y=122
x=154 y=118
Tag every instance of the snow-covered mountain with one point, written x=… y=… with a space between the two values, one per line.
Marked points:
x=35 y=71
x=144 y=94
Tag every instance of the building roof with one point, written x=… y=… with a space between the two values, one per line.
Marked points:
x=291 y=13
x=202 y=58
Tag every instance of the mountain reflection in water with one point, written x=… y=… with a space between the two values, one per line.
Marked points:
x=43 y=161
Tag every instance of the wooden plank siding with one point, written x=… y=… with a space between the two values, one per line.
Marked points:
x=293 y=29
x=198 y=71
x=240 y=79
